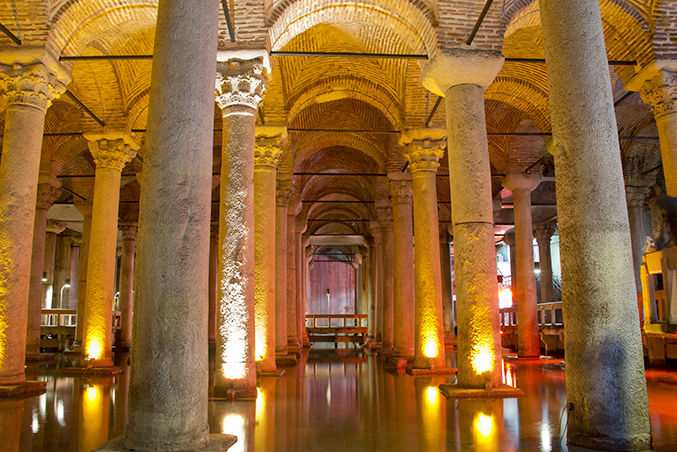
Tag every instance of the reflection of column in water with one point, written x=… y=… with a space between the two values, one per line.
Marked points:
x=264 y=439
x=281 y=415
x=431 y=414
x=120 y=401
x=481 y=426
x=11 y=412
x=93 y=427
x=405 y=410
x=240 y=420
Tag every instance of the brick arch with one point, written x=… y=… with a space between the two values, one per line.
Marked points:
x=400 y=17
x=320 y=141
x=27 y=19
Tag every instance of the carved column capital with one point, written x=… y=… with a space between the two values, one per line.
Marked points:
x=32 y=79
x=384 y=213
x=129 y=229
x=509 y=237
x=111 y=149
x=544 y=231
x=521 y=181
x=423 y=148
x=268 y=147
x=241 y=82
x=283 y=192
x=47 y=194
x=55 y=227
x=400 y=191
x=660 y=92
x=636 y=196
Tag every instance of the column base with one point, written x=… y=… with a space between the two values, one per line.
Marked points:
x=454 y=391
x=270 y=373
x=91 y=371
x=39 y=357
x=22 y=390
x=233 y=394
x=286 y=360
x=419 y=372
x=294 y=348
x=385 y=352
x=217 y=443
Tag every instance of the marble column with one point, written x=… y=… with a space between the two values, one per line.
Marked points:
x=49 y=269
x=74 y=265
x=300 y=256
x=636 y=198
x=282 y=199
x=85 y=208
x=528 y=342
x=371 y=306
x=403 y=268
x=445 y=270
x=240 y=84
x=266 y=156
x=606 y=384
x=423 y=149
x=167 y=405
x=509 y=239
x=543 y=234
x=293 y=343
x=376 y=310
x=460 y=76
x=657 y=84
x=111 y=151
x=385 y=216
x=306 y=257
x=126 y=299
x=47 y=194
x=29 y=82
x=213 y=269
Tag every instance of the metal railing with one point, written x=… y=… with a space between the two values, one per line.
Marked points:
x=54 y=318
x=336 y=321
x=549 y=314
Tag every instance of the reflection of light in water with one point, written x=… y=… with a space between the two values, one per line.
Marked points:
x=233 y=424
x=431 y=394
x=35 y=425
x=260 y=404
x=484 y=425
x=546 y=443
x=508 y=378
x=92 y=393
x=329 y=394
x=43 y=405
x=59 y=413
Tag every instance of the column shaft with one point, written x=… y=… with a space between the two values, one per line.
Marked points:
x=86 y=210
x=545 y=265
x=281 y=272
x=213 y=297
x=388 y=286
x=36 y=284
x=126 y=299
x=447 y=303
x=169 y=371
x=74 y=267
x=293 y=344
x=606 y=385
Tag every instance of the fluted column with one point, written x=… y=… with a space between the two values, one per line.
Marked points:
x=657 y=84
x=126 y=299
x=266 y=156
x=111 y=151
x=403 y=268
x=385 y=217
x=169 y=377
x=282 y=199
x=85 y=208
x=460 y=76
x=28 y=82
x=528 y=342
x=47 y=194
x=240 y=83
x=606 y=383
x=423 y=149
x=543 y=234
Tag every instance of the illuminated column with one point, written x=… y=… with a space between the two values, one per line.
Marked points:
x=29 y=79
x=300 y=256
x=306 y=257
x=385 y=217
x=111 y=151
x=459 y=76
x=377 y=279
x=240 y=84
x=293 y=344
x=509 y=239
x=606 y=383
x=636 y=197
x=423 y=149
x=282 y=199
x=528 y=342
x=266 y=156
x=445 y=270
x=657 y=84
x=403 y=268
x=168 y=406
x=74 y=265
x=543 y=234
x=85 y=208
x=47 y=194
x=371 y=303
x=126 y=299
x=213 y=269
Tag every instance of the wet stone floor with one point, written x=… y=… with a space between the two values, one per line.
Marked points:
x=335 y=400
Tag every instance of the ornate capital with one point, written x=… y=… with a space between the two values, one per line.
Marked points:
x=283 y=192
x=521 y=181
x=637 y=196
x=55 y=227
x=544 y=231
x=129 y=229
x=660 y=92
x=47 y=194
x=111 y=149
x=30 y=84
x=400 y=191
x=268 y=147
x=423 y=148
x=241 y=82
x=384 y=214
x=509 y=237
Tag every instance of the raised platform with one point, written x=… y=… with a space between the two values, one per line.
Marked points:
x=21 y=390
x=267 y=373
x=91 y=371
x=40 y=357
x=453 y=391
x=217 y=443
x=286 y=360
x=416 y=372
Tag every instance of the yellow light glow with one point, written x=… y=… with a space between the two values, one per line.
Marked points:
x=92 y=393
x=482 y=361
x=430 y=349
x=94 y=348
x=233 y=424
x=505 y=298
x=260 y=344
x=431 y=395
x=484 y=425
x=260 y=403
x=233 y=371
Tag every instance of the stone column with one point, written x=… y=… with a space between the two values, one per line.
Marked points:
x=423 y=149
x=371 y=306
x=28 y=81
x=85 y=208
x=543 y=234
x=169 y=372
x=460 y=76
x=47 y=194
x=126 y=299
x=53 y=229
x=509 y=239
x=445 y=270
x=266 y=156
x=306 y=257
x=293 y=343
x=403 y=268
x=111 y=151
x=528 y=342
x=240 y=84
x=74 y=264
x=213 y=269
x=376 y=310
x=636 y=198
x=606 y=385
x=300 y=256
x=657 y=84
x=386 y=224
x=282 y=199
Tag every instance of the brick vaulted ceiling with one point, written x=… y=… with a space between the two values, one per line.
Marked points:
x=377 y=96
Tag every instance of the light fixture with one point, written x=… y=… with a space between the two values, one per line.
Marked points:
x=44 y=276
x=67 y=285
